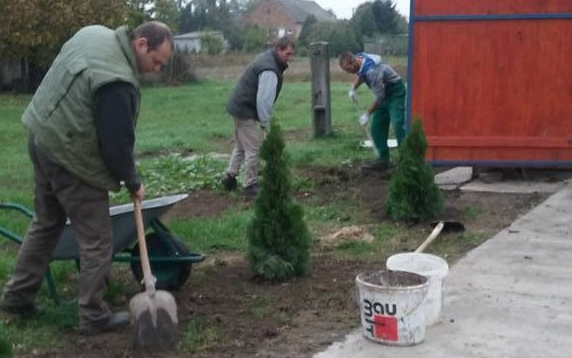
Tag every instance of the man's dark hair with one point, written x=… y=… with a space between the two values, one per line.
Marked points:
x=155 y=32
x=345 y=58
x=284 y=42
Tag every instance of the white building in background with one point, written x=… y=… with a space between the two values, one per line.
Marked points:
x=191 y=41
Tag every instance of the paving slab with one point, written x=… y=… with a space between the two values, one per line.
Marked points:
x=513 y=186
x=453 y=178
x=509 y=297
x=529 y=181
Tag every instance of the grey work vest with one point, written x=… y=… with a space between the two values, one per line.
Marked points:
x=242 y=101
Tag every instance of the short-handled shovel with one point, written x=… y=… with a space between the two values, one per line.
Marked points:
x=440 y=226
x=153 y=312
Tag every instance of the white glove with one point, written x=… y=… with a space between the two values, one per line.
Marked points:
x=352 y=94
x=363 y=119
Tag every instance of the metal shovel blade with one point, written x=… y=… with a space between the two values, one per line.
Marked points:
x=155 y=320
x=153 y=312
x=450 y=226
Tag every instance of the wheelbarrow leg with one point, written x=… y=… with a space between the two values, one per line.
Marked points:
x=52 y=287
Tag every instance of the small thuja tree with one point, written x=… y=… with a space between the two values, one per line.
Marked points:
x=278 y=238
x=413 y=195
x=5 y=343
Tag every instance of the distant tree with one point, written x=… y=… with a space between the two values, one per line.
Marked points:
x=166 y=11
x=413 y=195
x=222 y=15
x=249 y=5
x=340 y=36
x=363 y=22
x=278 y=238
x=402 y=26
x=39 y=28
x=138 y=12
x=34 y=31
x=378 y=17
x=187 y=20
x=304 y=37
x=385 y=16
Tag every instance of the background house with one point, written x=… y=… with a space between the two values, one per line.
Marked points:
x=193 y=41
x=286 y=17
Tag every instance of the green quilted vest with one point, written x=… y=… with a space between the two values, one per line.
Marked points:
x=60 y=115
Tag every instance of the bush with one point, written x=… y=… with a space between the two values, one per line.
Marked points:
x=413 y=195
x=176 y=72
x=211 y=45
x=278 y=238
x=5 y=344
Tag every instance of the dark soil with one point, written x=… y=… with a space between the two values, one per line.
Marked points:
x=304 y=316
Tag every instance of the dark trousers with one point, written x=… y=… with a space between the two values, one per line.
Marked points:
x=57 y=196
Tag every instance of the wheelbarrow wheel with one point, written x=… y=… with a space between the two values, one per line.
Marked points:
x=171 y=275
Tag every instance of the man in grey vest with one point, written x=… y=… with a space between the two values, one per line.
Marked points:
x=251 y=104
x=81 y=134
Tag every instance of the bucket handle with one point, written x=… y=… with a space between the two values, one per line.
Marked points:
x=416 y=306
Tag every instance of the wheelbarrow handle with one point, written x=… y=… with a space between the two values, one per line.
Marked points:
x=148 y=279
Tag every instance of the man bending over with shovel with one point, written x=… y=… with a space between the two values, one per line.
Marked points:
x=81 y=134
x=387 y=107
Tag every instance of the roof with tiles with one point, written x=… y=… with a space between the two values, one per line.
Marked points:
x=301 y=9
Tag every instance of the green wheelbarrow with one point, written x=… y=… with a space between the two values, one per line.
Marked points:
x=170 y=259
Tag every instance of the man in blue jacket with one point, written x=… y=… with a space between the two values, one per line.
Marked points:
x=388 y=105
x=81 y=134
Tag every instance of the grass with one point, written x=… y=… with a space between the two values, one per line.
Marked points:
x=223 y=233
x=201 y=334
x=176 y=123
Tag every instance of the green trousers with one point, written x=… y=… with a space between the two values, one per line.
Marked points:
x=391 y=110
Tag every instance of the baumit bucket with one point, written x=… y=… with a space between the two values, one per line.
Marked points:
x=391 y=307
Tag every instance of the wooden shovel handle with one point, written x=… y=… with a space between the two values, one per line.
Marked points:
x=148 y=278
x=436 y=231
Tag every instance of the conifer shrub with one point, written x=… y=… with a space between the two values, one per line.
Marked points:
x=413 y=195
x=278 y=238
x=5 y=344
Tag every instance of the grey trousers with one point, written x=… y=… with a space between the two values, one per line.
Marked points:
x=57 y=196
x=247 y=141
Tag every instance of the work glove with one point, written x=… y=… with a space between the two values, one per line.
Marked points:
x=363 y=119
x=352 y=94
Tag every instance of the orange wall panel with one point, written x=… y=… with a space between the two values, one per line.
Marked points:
x=493 y=89
x=481 y=7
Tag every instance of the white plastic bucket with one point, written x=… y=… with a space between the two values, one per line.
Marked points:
x=391 y=307
x=431 y=266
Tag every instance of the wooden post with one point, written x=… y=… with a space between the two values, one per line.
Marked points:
x=321 y=106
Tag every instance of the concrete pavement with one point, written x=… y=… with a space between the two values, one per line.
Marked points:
x=511 y=297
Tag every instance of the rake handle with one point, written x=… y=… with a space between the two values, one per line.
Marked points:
x=365 y=127
x=148 y=278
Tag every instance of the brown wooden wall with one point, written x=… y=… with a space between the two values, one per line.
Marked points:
x=493 y=90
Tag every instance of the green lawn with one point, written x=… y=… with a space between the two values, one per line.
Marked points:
x=174 y=123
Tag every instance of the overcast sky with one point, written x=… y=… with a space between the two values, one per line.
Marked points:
x=344 y=8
